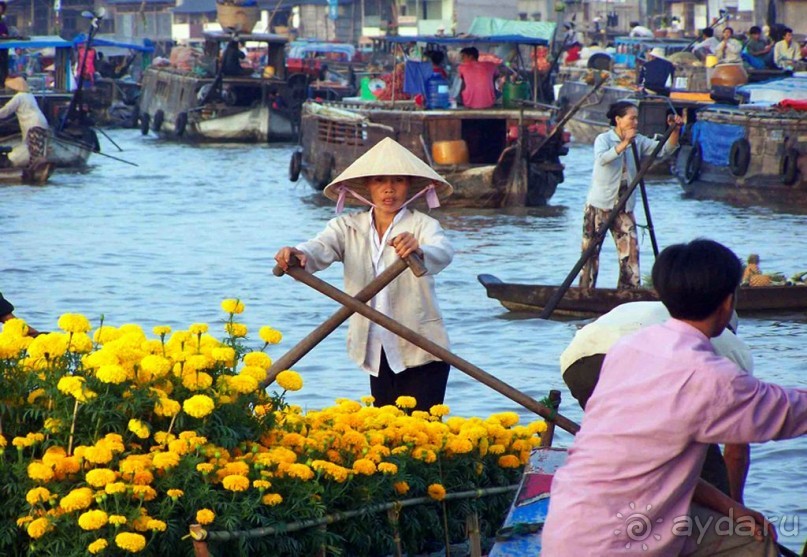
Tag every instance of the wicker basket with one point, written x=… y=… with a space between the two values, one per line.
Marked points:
x=237 y=18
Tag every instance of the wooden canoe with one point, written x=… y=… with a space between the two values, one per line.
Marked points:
x=581 y=302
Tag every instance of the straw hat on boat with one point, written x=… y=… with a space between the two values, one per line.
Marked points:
x=657 y=52
x=386 y=158
x=17 y=84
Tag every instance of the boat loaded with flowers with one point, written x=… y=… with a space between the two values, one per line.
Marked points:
x=114 y=442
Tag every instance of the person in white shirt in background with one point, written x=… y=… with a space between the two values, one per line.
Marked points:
x=33 y=124
x=729 y=50
x=707 y=46
x=637 y=30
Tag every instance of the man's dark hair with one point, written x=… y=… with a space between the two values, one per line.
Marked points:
x=786 y=30
x=729 y=29
x=436 y=56
x=471 y=51
x=708 y=32
x=755 y=30
x=693 y=279
x=619 y=108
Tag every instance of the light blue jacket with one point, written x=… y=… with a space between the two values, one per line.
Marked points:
x=604 y=191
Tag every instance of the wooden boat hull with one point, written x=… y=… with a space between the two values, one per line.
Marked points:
x=520 y=534
x=332 y=137
x=64 y=150
x=37 y=175
x=580 y=302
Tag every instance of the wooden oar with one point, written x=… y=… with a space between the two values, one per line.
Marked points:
x=645 y=202
x=599 y=236
x=84 y=146
x=316 y=336
x=445 y=355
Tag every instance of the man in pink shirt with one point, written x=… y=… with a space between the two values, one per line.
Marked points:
x=663 y=395
x=477 y=79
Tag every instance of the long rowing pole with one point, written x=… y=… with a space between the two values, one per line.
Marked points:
x=85 y=146
x=599 y=236
x=445 y=355
x=645 y=201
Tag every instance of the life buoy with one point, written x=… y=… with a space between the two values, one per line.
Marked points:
x=693 y=164
x=788 y=167
x=145 y=123
x=157 y=123
x=295 y=165
x=740 y=157
x=181 y=124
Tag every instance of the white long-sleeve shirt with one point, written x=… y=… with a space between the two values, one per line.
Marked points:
x=25 y=107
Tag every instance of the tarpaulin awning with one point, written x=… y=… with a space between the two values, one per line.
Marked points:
x=145 y=46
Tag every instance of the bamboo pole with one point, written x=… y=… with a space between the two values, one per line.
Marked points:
x=548 y=435
x=414 y=262
x=645 y=202
x=433 y=348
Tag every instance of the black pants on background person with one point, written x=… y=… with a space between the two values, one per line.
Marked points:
x=426 y=383
x=581 y=377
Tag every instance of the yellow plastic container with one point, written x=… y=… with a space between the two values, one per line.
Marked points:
x=268 y=72
x=711 y=61
x=450 y=152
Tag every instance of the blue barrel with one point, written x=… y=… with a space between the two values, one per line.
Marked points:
x=437 y=91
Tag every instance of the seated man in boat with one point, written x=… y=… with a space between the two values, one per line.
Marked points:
x=33 y=124
x=657 y=74
x=758 y=51
x=662 y=397
x=729 y=49
x=786 y=53
x=231 y=60
x=478 y=90
x=582 y=360
x=707 y=46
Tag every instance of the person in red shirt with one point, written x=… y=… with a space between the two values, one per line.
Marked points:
x=477 y=80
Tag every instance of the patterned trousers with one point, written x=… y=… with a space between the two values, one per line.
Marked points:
x=37 y=143
x=623 y=230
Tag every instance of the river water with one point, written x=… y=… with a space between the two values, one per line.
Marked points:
x=165 y=242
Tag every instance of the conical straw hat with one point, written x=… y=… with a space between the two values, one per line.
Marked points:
x=17 y=84
x=386 y=158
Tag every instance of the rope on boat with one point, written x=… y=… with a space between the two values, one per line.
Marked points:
x=199 y=534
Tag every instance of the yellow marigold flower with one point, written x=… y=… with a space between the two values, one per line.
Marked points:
x=261 y=485
x=496 y=449
x=22 y=521
x=507 y=419
x=537 y=427
x=198 y=328
x=48 y=346
x=243 y=384
x=258 y=359
x=144 y=492
x=388 y=468
x=77 y=500
x=106 y=334
x=460 y=445
x=53 y=425
x=426 y=455
x=231 y=305
x=299 y=471
x=509 y=461
x=81 y=343
x=69 y=384
x=237 y=330
x=114 y=374
x=3 y=441
x=272 y=499
x=37 y=528
x=290 y=380
x=436 y=492
x=175 y=493
x=117 y=520
x=235 y=482
x=364 y=466
x=40 y=472
x=139 y=428
x=224 y=354
x=205 y=516
x=98 y=454
x=101 y=477
x=401 y=488
x=167 y=407
x=161 y=330
x=156 y=525
x=97 y=546
x=155 y=365
x=37 y=495
x=165 y=460
x=115 y=488
x=439 y=410
x=74 y=323
x=270 y=335
x=22 y=442
x=367 y=400
x=197 y=380
x=405 y=402
x=255 y=372
x=133 y=543
x=35 y=394
x=93 y=520
x=198 y=406
x=204 y=468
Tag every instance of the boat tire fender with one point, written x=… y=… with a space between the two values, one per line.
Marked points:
x=295 y=165
x=788 y=167
x=181 y=124
x=157 y=123
x=145 y=123
x=740 y=157
x=693 y=164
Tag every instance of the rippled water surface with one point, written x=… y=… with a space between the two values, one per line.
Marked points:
x=164 y=243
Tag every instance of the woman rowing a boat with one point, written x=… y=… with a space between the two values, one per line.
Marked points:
x=33 y=124
x=368 y=242
x=614 y=169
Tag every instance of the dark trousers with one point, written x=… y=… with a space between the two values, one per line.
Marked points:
x=581 y=377
x=426 y=383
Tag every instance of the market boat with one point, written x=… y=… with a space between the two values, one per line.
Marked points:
x=589 y=302
x=258 y=107
x=506 y=155
x=752 y=153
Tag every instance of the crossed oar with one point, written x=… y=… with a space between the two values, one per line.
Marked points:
x=358 y=304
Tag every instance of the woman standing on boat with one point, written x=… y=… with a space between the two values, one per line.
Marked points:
x=33 y=124
x=367 y=242
x=614 y=169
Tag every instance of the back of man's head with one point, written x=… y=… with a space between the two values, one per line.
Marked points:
x=708 y=32
x=693 y=279
x=470 y=51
